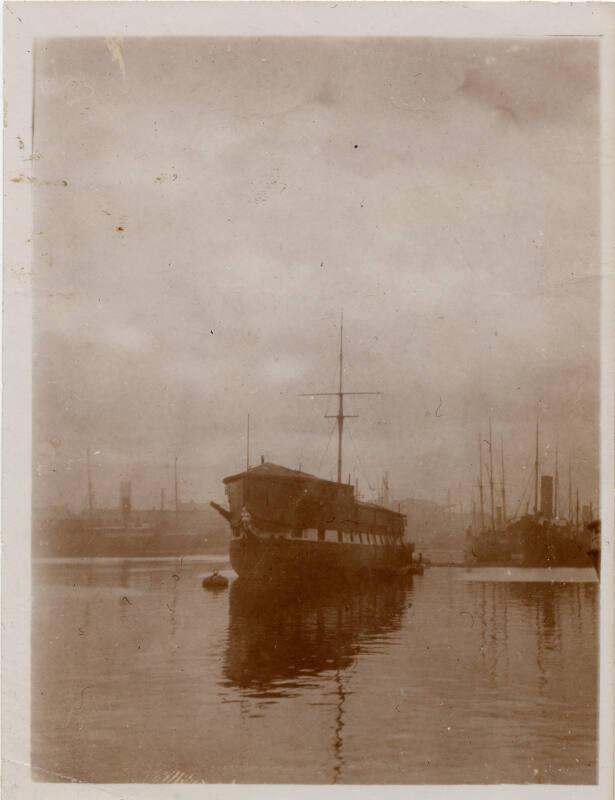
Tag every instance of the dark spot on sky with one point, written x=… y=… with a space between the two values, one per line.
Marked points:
x=356 y=147
x=120 y=229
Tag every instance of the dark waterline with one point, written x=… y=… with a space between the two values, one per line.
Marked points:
x=139 y=675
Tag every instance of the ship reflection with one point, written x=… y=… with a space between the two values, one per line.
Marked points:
x=279 y=642
x=553 y=615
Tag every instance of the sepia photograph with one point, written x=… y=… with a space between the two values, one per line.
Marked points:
x=316 y=490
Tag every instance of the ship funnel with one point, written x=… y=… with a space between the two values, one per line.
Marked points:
x=546 y=496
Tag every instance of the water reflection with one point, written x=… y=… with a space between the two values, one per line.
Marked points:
x=278 y=642
x=554 y=618
x=476 y=682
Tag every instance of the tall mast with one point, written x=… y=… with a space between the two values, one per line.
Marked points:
x=176 y=496
x=248 y=446
x=556 y=498
x=503 y=484
x=90 y=489
x=480 y=481
x=569 y=492
x=340 y=394
x=536 y=468
x=578 y=508
x=385 y=489
x=491 y=479
x=340 y=412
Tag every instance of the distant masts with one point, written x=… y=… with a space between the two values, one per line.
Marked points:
x=536 y=469
x=556 y=497
x=491 y=479
x=248 y=445
x=504 y=517
x=90 y=488
x=176 y=496
x=480 y=481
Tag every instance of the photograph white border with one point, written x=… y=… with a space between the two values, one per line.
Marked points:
x=26 y=21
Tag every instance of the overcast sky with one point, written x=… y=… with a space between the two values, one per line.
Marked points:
x=227 y=198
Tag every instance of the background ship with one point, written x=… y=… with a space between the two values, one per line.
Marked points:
x=541 y=539
x=184 y=529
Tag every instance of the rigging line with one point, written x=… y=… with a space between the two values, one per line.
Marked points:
x=530 y=477
x=324 y=455
x=308 y=436
x=362 y=467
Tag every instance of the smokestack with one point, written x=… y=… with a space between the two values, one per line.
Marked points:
x=546 y=496
x=125 y=501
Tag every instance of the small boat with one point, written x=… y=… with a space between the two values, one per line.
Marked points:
x=215 y=581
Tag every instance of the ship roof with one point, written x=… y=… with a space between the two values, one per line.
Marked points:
x=270 y=470
x=376 y=507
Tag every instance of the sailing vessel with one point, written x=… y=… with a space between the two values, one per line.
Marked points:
x=539 y=539
x=546 y=539
x=491 y=543
x=288 y=525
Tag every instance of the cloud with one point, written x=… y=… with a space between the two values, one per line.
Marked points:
x=459 y=236
x=537 y=82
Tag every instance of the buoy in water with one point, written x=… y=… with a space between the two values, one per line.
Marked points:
x=215 y=581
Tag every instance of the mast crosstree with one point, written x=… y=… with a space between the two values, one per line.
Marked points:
x=340 y=394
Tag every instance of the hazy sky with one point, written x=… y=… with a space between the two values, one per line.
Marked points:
x=226 y=198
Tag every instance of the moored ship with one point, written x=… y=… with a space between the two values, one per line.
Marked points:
x=491 y=542
x=541 y=539
x=287 y=524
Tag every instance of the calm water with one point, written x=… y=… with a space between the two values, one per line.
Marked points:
x=458 y=677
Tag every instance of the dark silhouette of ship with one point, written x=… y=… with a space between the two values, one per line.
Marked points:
x=541 y=539
x=124 y=532
x=288 y=524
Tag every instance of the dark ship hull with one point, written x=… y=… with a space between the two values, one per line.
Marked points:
x=76 y=539
x=545 y=544
x=533 y=542
x=290 y=526
x=287 y=559
x=493 y=548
